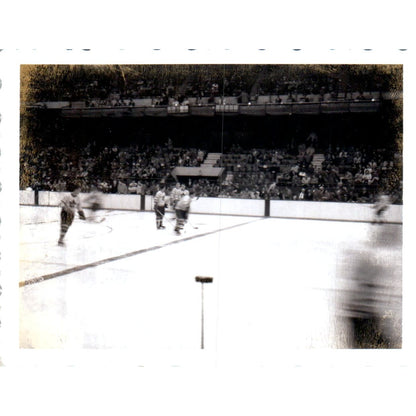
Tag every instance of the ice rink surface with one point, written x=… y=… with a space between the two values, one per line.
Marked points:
x=124 y=287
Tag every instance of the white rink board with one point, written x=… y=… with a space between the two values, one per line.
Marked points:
x=27 y=198
x=228 y=206
x=331 y=211
x=232 y=206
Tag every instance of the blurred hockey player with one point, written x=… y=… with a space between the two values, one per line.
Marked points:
x=160 y=206
x=380 y=207
x=182 y=211
x=95 y=204
x=69 y=205
x=371 y=295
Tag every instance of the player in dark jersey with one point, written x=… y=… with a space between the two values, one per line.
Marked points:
x=69 y=205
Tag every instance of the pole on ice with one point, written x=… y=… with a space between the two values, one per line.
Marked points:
x=202 y=280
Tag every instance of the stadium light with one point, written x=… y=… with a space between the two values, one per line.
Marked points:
x=202 y=280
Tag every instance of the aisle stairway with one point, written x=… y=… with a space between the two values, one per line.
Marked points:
x=317 y=160
x=211 y=159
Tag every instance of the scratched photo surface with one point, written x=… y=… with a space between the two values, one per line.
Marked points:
x=236 y=209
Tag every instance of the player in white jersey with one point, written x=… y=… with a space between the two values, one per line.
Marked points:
x=69 y=205
x=175 y=195
x=182 y=211
x=159 y=207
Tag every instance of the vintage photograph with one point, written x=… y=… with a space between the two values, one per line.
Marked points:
x=245 y=211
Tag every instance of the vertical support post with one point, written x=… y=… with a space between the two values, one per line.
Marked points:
x=202 y=316
x=203 y=280
x=267 y=206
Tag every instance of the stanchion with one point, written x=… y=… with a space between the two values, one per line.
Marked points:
x=203 y=280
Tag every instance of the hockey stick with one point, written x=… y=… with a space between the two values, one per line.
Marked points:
x=190 y=223
x=170 y=221
x=95 y=220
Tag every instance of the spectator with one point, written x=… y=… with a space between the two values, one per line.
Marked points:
x=309 y=152
x=122 y=187
x=132 y=188
x=243 y=98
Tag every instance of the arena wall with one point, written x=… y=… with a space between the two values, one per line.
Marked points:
x=229 y=206
x=331 y=211
x=27 y=198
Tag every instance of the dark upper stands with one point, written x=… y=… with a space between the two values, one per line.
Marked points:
x=113 y=84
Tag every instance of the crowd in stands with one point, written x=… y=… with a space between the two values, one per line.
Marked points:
x=119 y=85
x=345 y=174
x=112 y=169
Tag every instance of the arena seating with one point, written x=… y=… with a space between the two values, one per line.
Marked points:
x=248 y=174
x=202 y=92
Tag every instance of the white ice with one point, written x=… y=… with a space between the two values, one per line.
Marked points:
x=129 y=289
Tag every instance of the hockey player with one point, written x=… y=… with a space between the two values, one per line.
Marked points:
x=182 y=211
x=175 y=195
x=159 y=206
x=95 y=204
x=382 y=204
x=371 y=291
x=69 y=205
